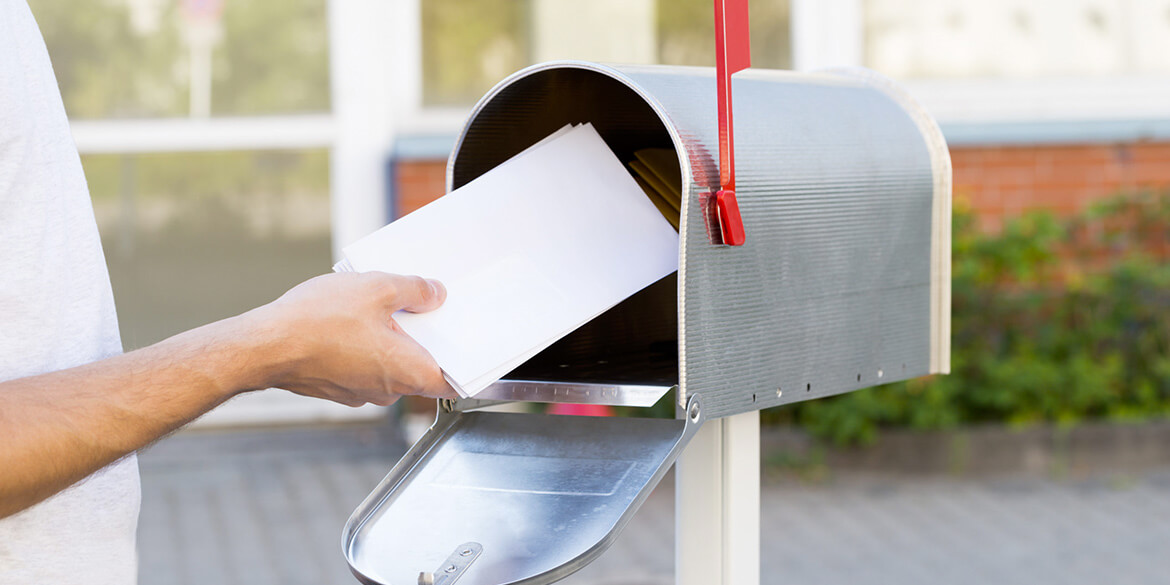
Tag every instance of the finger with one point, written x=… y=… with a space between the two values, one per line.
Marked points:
x=385 y=399
x=428 y=295
x=432 y=388
x=441 y=389
x=349 y=401
x=420 y=374
x=412 y=293
x=428 y=380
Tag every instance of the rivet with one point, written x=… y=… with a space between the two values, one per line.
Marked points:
x=779 y=393
x=451 y=569
x=465 y=552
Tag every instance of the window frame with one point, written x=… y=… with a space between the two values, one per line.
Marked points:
x=830 y=33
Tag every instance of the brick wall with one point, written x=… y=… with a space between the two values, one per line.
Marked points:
x=418 y=182
x=1001 y=182
x=995 y=181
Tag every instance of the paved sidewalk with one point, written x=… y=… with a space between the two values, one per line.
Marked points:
x=259 y=508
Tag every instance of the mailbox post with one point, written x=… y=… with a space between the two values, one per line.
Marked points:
x=717 y=504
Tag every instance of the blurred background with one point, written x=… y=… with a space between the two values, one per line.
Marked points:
x=233 y=146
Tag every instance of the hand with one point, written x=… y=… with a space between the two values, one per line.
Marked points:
x=340 y=341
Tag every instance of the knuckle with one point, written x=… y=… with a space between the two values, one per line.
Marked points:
x=419 y=284
x=430 y=381
x=378 y=280
x=404 y=388
x=390 y=291
x=435 y=377
x=385 y=282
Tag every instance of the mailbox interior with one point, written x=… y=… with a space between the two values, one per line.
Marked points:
x=636 y=342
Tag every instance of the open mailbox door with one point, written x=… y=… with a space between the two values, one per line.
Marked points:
x=492 y=498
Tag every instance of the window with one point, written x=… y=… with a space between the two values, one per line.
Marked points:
x=164 y=58
x=1017 y=38
x=470 y=45
x=192 y=237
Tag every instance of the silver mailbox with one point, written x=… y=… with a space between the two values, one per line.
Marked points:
x=843 y=283
x=844 y=188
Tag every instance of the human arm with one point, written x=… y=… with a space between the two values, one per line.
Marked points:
x=331 y=337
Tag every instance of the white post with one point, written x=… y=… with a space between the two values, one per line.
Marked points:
x=202 y=29
x=368 y=77
x=717 y=504
x=406 y=58
x=200 y=75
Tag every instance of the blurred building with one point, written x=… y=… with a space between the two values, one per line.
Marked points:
x=232 y=146
x=1045 y=103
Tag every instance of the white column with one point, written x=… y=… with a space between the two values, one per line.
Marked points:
x=374 y=70
x=827 y=33
x=199 y=63
x=717 y=504
x=405 y=58
x=610 y=31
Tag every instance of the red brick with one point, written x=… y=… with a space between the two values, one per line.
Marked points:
x=418 y=183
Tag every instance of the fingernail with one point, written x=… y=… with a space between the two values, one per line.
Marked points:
x=437 y=289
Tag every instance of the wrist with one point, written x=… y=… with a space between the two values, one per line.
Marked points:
x=235 y=355
x=266 y=350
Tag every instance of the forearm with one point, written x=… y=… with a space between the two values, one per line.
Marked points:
x=331 y=337
x=59 y=427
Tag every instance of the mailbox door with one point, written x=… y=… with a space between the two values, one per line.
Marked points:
x=496 y=498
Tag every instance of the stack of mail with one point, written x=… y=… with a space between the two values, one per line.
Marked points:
x=529 y=252
x=657 y=173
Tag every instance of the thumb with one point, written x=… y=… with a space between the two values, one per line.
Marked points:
x=415 y=294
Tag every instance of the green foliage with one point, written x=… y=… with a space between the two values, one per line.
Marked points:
x=469 y=46
x=1053 y=320
x=104 y=68
x=229 y=175
x=113 y=61
x=274 y=58
x=686 y=33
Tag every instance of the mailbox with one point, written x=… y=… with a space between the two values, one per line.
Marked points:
x=843 y=283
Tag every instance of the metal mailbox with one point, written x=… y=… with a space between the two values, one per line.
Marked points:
x=843 y=283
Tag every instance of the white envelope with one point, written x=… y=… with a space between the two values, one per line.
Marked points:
x=529 y=252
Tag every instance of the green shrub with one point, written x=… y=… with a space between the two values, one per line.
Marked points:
x=1053 y=320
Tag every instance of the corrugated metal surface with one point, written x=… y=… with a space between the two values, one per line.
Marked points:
x=841 y=187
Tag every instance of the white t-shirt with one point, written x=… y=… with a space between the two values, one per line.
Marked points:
x=56 y=311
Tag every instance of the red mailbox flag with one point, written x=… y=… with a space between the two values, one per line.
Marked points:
x=733 y=52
